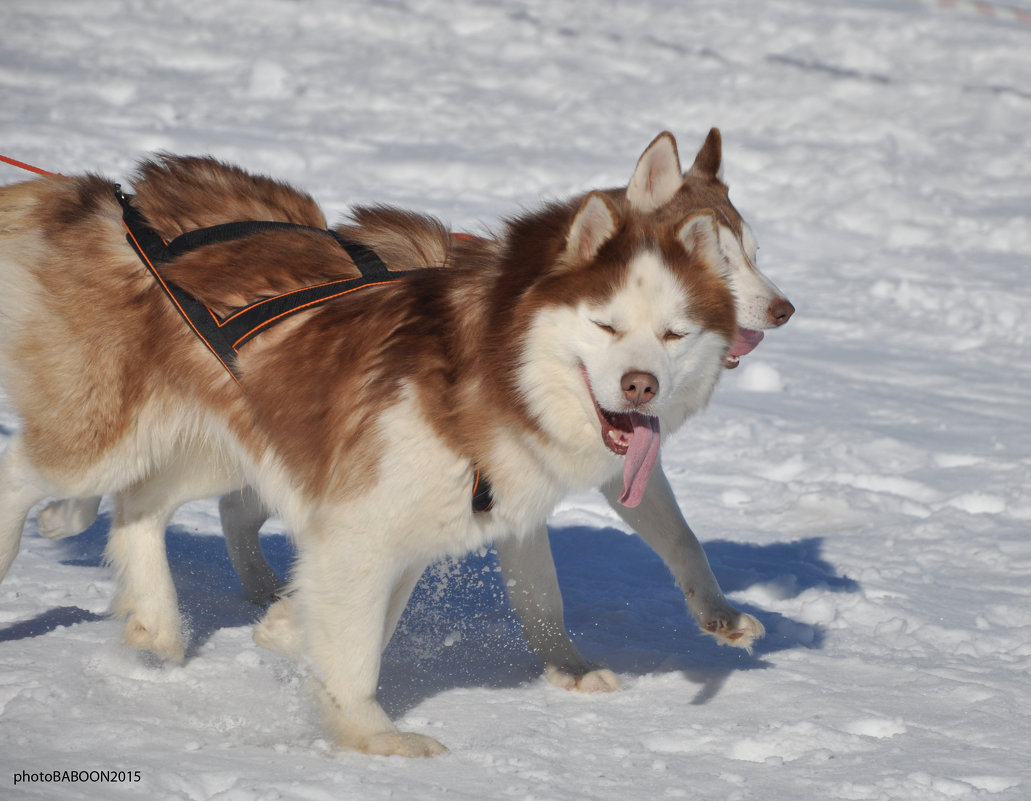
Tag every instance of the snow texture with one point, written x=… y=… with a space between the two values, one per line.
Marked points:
x=861 y=482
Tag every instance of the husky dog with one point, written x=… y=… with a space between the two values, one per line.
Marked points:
x=554 y=360
x=526 y=563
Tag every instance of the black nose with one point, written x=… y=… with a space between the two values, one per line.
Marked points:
x=639 y=387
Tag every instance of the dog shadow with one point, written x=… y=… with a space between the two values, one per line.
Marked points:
x=622 y=609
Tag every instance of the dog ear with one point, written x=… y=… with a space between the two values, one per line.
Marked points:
x=593 y=226
x=708 y=164
x=657 y=176
x=700 y=237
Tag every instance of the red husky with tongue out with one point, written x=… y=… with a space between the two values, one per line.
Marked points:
x=548 y=361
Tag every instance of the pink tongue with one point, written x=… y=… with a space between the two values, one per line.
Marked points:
x=745 y=341
x=640 y=458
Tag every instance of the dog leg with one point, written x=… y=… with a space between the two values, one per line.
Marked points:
x=21 y=488
x=243 y=514
x=399 y=600
x=342 y=599
x=278 y=630
x=661 y=524
x=146 y=596
x=528 y=569
x=68 y=517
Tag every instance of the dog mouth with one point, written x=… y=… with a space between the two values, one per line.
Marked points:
x=635 y=437
x=744 y=343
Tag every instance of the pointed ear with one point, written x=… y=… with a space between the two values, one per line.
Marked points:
x=657 y=177
x=708 y=163
x=700 y=236
x=593 y=226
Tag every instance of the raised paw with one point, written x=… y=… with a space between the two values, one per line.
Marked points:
x=66 y=518
x=592 y=681
x=734 y=628
x=278 y=631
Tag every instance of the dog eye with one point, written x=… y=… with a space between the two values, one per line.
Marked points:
x=673 y=336
x=608 y=329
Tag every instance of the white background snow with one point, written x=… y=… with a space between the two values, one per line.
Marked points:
x=861 y=482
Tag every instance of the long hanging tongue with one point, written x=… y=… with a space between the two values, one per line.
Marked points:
x=640 y=457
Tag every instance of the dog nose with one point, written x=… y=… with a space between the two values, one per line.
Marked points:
x=639 y=387
x=780 y=311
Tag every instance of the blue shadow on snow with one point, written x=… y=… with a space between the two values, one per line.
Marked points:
x=621 y=605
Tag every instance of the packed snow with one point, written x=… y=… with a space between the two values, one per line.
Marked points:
x=860 y=482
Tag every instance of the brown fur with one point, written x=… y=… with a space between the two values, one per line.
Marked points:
x=447 y=331
x=397 y=389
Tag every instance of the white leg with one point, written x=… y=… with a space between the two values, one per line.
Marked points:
x=661 y=524
x=528 y=569
x=279 y=630
x=342 y=599
x=136 y=549
x=243 y=514
x=399 y=600
x=21 y=488
x=68 y=517
x=146 y=595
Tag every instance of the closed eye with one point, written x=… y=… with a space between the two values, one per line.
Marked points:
x=608 y=329
x=673 y=336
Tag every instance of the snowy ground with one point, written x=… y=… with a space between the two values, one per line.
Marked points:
x=861 y=483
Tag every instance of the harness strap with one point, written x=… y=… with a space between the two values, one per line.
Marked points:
x=483 y=495
x=153 y=251
x=224 y=336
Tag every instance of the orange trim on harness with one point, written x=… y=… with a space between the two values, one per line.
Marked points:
x=172 y=297
x=246 y=323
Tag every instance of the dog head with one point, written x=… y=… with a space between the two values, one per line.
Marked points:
x=628 y=325
x=659 y=187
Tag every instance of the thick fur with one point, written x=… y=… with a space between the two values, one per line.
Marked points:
x=499 y=361
x=405 y=240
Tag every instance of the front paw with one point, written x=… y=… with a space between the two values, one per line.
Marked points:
x=164 y=641
x=731 y=627
x=398 y=743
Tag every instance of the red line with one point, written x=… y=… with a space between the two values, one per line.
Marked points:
x=22 y=165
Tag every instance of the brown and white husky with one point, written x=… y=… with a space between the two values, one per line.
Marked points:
x=554 y=359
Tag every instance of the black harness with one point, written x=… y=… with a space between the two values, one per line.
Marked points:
x=223 y=336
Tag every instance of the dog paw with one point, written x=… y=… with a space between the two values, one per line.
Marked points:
x=399 y=743
x=277 y=631
x=66 y=518
x=735 y=628
x=159 y=641
x=593 y=681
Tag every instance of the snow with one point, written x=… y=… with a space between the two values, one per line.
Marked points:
x=861 y=482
